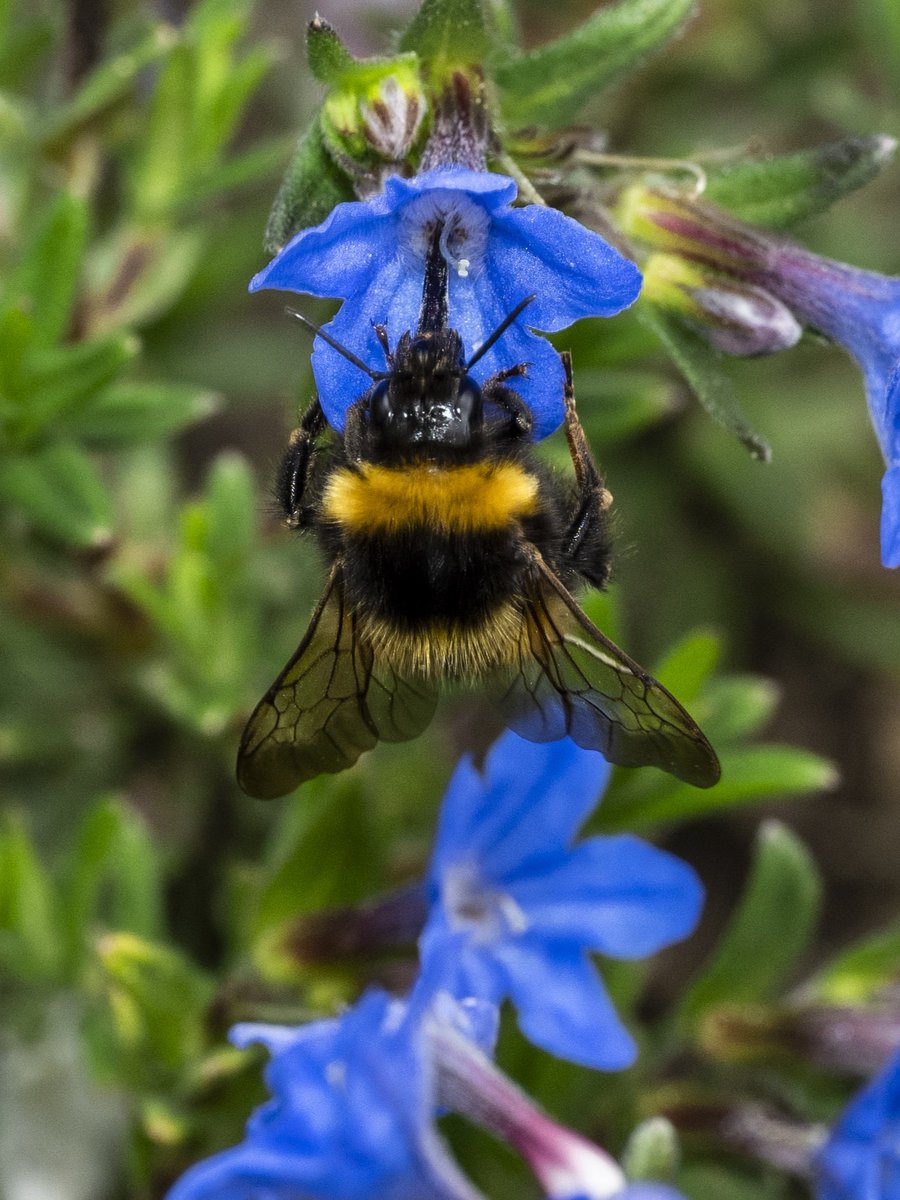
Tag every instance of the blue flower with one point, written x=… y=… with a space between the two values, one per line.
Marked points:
x=371 y=254
x=350 y=1117
x=861 y=1159
x=515 y=907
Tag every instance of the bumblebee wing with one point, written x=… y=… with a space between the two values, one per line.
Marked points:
x=571 y=680
x=330 y=703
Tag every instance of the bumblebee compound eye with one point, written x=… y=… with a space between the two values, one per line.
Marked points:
x=380 y=404
x=469 y=401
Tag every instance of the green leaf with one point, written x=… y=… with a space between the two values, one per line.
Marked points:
x=749 y=775
x=30 y=945
x=137 y=411
x=699 y=363
x=164 y=162
x=136 y=276
x=652 y=1151
x=737 y=707
x=50 y=267
x=311 y=188
x=689 y=664
x=111 y=82
x=332 y=858
x=855 y=975
x=157 y=1001
x=114 y=878
x=782 y=190
x=550 y=85
x=63 y=378
x=231 y=509
x=60 y=491
x=447 y=34
x=770 y=930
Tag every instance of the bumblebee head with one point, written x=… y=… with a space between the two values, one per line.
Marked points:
x=427 y=398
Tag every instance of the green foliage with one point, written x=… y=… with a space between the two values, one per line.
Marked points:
x=769 y=931
x=147 y=601
x=550 y=85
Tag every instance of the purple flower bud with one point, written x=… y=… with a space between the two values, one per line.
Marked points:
x=858 y=309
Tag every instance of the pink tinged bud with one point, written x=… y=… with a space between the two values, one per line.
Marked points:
x=745 y=320
x=565 y=1164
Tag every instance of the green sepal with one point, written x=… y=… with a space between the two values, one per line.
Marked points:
x=60 y=491
x=329 y=59
x=771 y=928
x=448 y=34
x=550 y=85
x=311 y=188
x=700 y=365
x=780 y=191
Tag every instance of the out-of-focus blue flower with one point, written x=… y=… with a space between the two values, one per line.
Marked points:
x=371 y=254
x=861 y=1159
x=350 y=1117
x=515 y=907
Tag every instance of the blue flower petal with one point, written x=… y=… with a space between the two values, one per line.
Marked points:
x=492 y=191
x=890 y=517
x=617 y=895
x=337 y=258
x=573 y=272
x=861 y=1159
x=531 y=798
x=563 y=1007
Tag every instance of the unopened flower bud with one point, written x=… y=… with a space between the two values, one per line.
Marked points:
x=734 y=316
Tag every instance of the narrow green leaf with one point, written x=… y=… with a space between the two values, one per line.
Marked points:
x=700 y=365
x=59 y=490
x=111 y=82
x=61 y=379
x=330 y=860
x=448 y=33
x=782 y=190
x=311 y=188
x=689 y=664
x=164 y=164
x=157 y=999
x=50 y=268
x=749 y=775
x=30 y=945
x=855 y=975
x=136 y=276
x=769 y=931
x=737 y=707
x=136 y=411
x=550 y=85
x=231 y=509
x=652 y=1151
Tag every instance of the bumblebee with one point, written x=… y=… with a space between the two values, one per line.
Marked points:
x=452 y=556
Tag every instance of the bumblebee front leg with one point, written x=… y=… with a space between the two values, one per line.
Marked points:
x=521 y=420
x=295 y=465
x=586 y=545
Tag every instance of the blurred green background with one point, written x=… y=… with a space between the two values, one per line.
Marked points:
x=149 y=594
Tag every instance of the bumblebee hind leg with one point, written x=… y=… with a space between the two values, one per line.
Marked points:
x=296 y=464
x=586 y=542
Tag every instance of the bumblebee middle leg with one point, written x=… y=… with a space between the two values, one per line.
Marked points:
x=520 y=418
x=295 y=465
x=586 y=542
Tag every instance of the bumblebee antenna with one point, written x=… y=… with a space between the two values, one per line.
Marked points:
x=500 y=330
x=434 y=313
x=335 y=345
